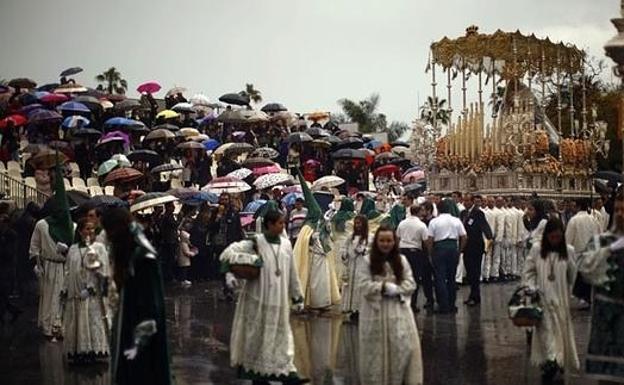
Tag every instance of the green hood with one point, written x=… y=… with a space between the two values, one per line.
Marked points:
x=59 y=221
x=368 y=209
x=315 y=218
x=397 y=214
x=345 y=213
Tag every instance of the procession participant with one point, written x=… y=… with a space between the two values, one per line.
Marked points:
x=352 y=253
x=536 y=218
x=389 y=344
x=521 y=234
x=550 y=268
x=600 y=214
x=398 y=212
x=602 y=266
x=86 y=281
x=412 y=234
x=341 y=227
x=48 y=246
x=477 y=230
x=490 y=213
x=262 y=345
x=510 y=256
x=498 y=251
x=139 y=349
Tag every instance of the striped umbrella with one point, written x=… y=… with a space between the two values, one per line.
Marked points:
x=226 y=184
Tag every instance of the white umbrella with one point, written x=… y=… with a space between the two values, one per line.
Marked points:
x=270 y=180
x=226 y=184
x=150 y=200
x=183 y=107
x=189 y=132
x=200 y=100
x=241 y=173
x=328 y=181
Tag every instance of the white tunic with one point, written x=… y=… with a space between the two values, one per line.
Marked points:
x=51 y=282
x=553 y=338
x=84 y=319
x=354 y=251
x=388 y=338
x=581 y=228
x=262 y=340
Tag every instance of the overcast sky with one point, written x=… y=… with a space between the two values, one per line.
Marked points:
x=306 y=54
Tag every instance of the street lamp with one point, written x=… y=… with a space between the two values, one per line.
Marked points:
x=615 y=50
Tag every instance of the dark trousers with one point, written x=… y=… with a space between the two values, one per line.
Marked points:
x=445 y=266
x=185 y=273
x=472 y=263
x=423 y=273
x=167 y=260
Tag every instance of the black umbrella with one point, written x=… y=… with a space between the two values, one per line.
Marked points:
x=399 y=143
x=165 y=168
x=316 y=132
x=22 y=83
x=351 y=142
x=167 y=126
x=139 y=129
x=611 y=176
x=333 y=140
x=299 y=137
x=414 y=188
x=71 y=71
x=87 y=133
x=273 y=107
x=147 y=156
x=107 y=201
x=349 y=153
x=331 y=126
x=50 y=87
x=235 y=98
x=91 y=102
x=127 y=105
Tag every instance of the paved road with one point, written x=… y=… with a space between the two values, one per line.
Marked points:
x=476 y=346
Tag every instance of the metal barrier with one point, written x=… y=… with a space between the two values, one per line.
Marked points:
x=19 y=192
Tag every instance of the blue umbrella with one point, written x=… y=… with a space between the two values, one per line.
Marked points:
x=373 y=144
x=74 y=107
x=122 y=122
x=41 y=116
x=199 y=198
x=252 y=207
x=40 y=94
x=75 y=121
x=31 y=107
x=290 y=198
x=211 y=144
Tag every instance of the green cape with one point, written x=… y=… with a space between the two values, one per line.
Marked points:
x=59 y=221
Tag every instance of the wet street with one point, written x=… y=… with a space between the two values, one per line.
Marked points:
x=476 y=346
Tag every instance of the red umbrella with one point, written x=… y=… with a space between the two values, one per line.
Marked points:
x=18 y=120
x=122 y=175
x=54 y=98
x=149 y=88
x=387 y=170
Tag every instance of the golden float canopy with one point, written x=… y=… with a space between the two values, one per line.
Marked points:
x=509 y=54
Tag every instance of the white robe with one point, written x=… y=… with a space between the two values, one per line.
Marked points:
x=353 y=254
x=580 y=230
x=84 y=320
x=388 y=339
x=262 y=341
x=51 y=282
x=553 y=338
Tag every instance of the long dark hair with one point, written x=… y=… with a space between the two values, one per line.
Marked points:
x=116 y=222
x=363 y=233
x=540 y=213
x=554 y=224
x=377 y=258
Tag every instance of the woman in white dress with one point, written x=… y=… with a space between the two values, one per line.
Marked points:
x=389 y=343
x=84 y=315
x=550 y=268
x=353 y=251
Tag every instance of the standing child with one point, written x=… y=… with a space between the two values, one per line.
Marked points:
x=186 y=251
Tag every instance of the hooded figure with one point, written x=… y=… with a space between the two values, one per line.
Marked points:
x=314 y=259
x=375 y=218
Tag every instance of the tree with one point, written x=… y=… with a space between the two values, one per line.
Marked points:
x=396 y=130
x=253 y=94
x=441 y=115
x=338 y=118
x=111 y=81
x=364 y=113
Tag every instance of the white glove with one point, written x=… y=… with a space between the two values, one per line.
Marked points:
x=391 y=289
x=131 y=353
x=84 y=294
x=298 y=307
x=61 y=248
x=38 y=271
x=617 y=245
x=230 y=281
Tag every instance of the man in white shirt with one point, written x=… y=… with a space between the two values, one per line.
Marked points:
x=509 y=262
x=521 y=235
x=413 y=235
x=447 y=238
x=601 y=215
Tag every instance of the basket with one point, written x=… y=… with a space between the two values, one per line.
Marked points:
x=524 y=308
x=245 y=271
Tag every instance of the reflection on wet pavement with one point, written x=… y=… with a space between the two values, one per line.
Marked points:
x=476 y=346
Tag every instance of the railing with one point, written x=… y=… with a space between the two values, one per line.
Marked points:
x=19 y=192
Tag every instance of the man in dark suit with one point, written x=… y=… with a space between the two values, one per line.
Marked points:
x=477 y=229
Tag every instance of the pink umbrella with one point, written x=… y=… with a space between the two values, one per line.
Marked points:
x=267 y=170
x=247 y=219
x=294 y=188
x=312 y=163
x=149 y=88
x=54 y=98
x=414 y=176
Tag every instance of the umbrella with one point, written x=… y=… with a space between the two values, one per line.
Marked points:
x=54 y=98
x=89 y=101
x=235 y=98
x=58 y=145
x=191 y=146
x=50 y=87
x=270 y=180
x=71 y=71
x=70 y=88
x=312 y=163
x=192 y=196
x=373 y=144
x=243 y=116
x=167 y=126
x=414 y=187
x=160 y=134
x=273 y=107
x=351 y=142
x=610 y=176
x=400 y=143
x=258 y=162
x=200 y=100
x=122 y=122
x=226 y=184
x=167 y=114
x=264 y=152
x=413 y=176
x=400 y=150
x=148 y=88
x=22 y=83
x=107 y=166
x=16 y=119
x=150 y=200
x=108 y=201
x=290 y=189
x=321 y=143
x=267 y=170
x=211 y=144
x=106 y=104
x=46 y=158
x=253 y=206
x=87 y=132
x=324 y=199
x=349 y=153
x=42 y=116
x=385 y=156
x=328 y=181
x=74 y=107
x=122 y=160
x=167 y=167
x=183 y=107
x=128 y=104
x=299 y=137
x=290 y=198
x=241 y=173
x=139 y=130
x=318 y=115
x=316 y=132
x=76 y=198
x=147 y=156
x=175 y=91
x=237 y=148
x=387 y=169
x=189 y=132
x=122 y=175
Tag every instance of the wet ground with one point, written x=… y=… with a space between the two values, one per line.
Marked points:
x=477 y=346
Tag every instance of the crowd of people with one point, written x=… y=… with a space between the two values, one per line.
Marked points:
x=309 y=237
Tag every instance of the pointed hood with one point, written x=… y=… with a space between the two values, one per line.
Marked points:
x=368 y=209
x=314 y=210
x=59 y=221
x=345 y=213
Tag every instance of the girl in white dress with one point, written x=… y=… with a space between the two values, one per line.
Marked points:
x=550 y=268
x=389 y=342
x=354 y=249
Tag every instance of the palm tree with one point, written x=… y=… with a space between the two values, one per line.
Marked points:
x=112 y=81
x=364 y=113
x=253 y=94
x=396 y=129
x=426 y=111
